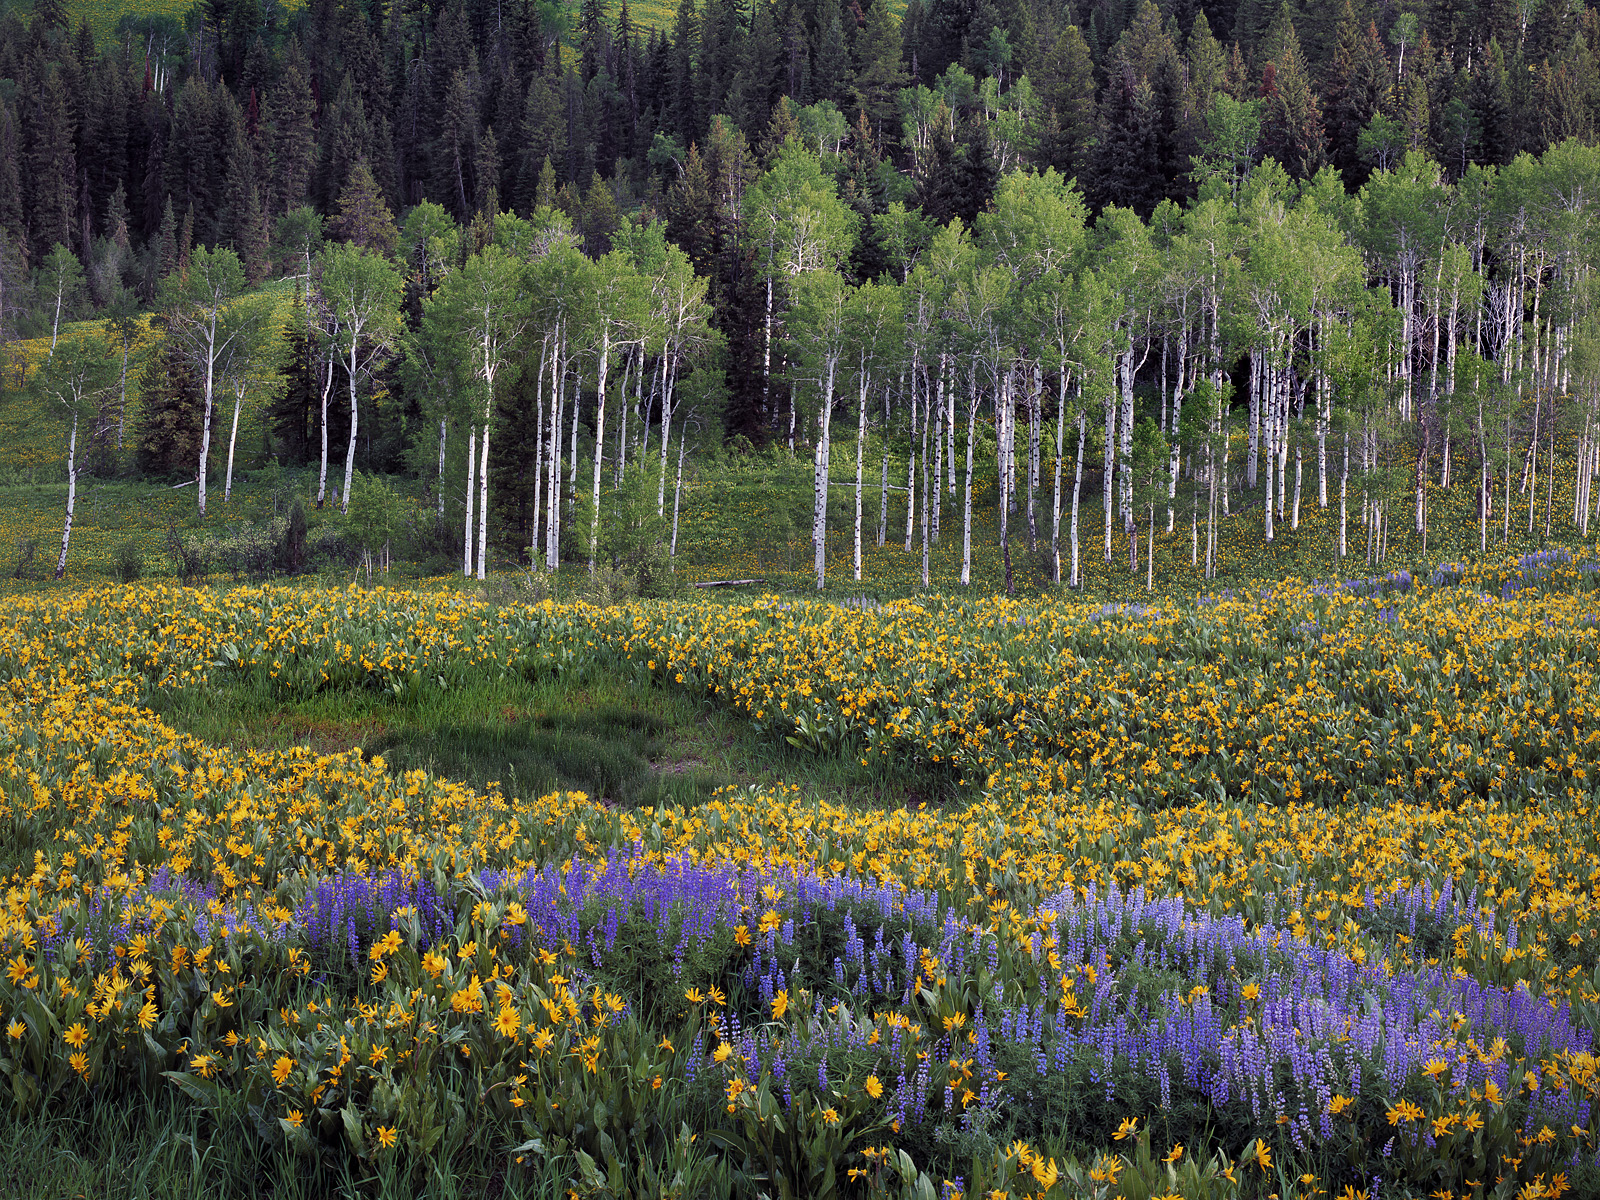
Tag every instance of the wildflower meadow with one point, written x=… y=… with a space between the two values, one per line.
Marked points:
x=1291 y=891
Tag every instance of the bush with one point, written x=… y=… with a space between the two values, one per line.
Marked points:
x=128 y=563
x=27 y=551
x=190 y=556
x=250 y=551
x=292 y=549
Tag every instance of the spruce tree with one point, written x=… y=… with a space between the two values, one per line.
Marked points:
x=52 y=167
x=290 y=133
x=170 y=415
x=364 y=218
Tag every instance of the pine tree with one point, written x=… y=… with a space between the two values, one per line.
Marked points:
x=880 y=77
x=288 y=117
x=364 y=218
x=1067 y=91
x=831 y=74
x=12 y=220
x=170 y=415
x=346 y=140
x=1491 y=109
x=293 y=412
x=1291 y=121
x=52 y=167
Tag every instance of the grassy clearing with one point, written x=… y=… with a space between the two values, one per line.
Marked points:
x=609 y=732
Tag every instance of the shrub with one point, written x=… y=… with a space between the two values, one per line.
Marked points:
x=128 y=564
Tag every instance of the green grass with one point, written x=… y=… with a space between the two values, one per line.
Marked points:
x=608 y=732
x=167 y=1149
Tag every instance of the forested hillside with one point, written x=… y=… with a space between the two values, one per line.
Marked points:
x=1180 y=257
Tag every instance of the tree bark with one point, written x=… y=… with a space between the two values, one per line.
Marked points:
x=72 y=496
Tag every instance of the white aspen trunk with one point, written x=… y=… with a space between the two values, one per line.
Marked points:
x=940 y=429
x=677 y=495
x=1077 y=488
x=472 y=466
x=72 y=495
x=1061 y=447
x=1005 y=453
x=1344 y=502
x=599 y=445
x=949 y=419
x=669 y=379
x=233 y=438
x=205 y=428
x=483 y=501
x=1270 y=460
x=911 y=455
x=622 y=424
x=820 y=471
x=972 y=437
x=1126 y=371
x=1108 y=481
x=350 y=451
x=1299 y=469
x=766 y=361
x=883 y=501
x=1324 y=419
x=535 y=550
x=552 y=507
x=1252 y=459
x=930 y=495
x=1034 y=423
x=1150 y=553
x=322 y=471
x=861 y=450
x=443 y=430
x=1177 y=416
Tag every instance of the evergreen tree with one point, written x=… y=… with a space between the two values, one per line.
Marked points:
x=1490 y=99
x=1066 y=90
x=170 y=414
x=290 y=134
x=364 y=218
x=879 y=73
x=52 y=167
x=1291 y=121
x=293 y=411
x=832 y=77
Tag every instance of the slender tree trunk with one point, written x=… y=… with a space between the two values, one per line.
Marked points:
x=1055 y=502
x=1006 y=419
x=233 y=439
x=443 y=431
x=72 y=495
x=861 y=450
x=930 y=495
x=883 y=497
x=1108 y=480
x=677 y=496
x=322 y=470
x=350 y=451
x=911 y=456
x=1150 y=554
x=472 y=467
x=483 y=499
x=972 y=437
x=820 y=475
x=205 y=429
x=1077 y=488
x=599 y=446
x=1035 y=420
x=668 y=381
x=1344 y=501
